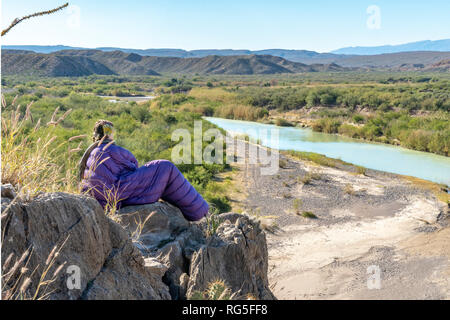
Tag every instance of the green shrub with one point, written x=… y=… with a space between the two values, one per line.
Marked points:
x=309 y=215
x=283 y=123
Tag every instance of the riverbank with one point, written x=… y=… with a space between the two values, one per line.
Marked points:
x=376 y=156
x=338 y=122
x=136 y=98
x=407 y=113
x=377 y=219
x=345 y=127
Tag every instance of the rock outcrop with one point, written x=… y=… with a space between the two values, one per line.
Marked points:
x=110 y=266
x=145 y=252
x=237 y=254
x=162 y=233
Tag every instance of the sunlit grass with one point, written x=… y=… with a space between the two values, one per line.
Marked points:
x=216 y=290
x=33 y=159
x=437 y=189
x=317 y=158
x=308 y=215
x=213 y=94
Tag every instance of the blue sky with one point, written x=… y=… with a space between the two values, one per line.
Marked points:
x=244 y=24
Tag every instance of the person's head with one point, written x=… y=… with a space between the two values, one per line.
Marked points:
x=103 y=128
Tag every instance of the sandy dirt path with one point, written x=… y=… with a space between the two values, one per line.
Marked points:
x=377 y=221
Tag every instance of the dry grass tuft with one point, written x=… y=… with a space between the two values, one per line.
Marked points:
x=213 y=221
x=348 y=189
x=33 y=160
x=216 y=290
x=309 y=215
x=297 y=205
x=17 y=277
x=136 y=234
x=310 y=176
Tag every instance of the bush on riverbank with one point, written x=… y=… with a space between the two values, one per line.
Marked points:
x=407 y=112
x=430 y=133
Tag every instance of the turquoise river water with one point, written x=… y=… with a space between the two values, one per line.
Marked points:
x=377 y=156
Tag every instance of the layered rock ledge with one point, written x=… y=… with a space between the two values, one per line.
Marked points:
x=144 y=252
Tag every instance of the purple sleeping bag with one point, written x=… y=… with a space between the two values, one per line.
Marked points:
x=115 y=172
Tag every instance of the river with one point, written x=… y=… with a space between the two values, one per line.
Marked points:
x=115 y=99
x=376 y=156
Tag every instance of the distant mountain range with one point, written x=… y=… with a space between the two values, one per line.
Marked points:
x=427 y=45
x=303 y=56
x=423 y=52
x=71 y=61
x=86 y=62
x=393 y=60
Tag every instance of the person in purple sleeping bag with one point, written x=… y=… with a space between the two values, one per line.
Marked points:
x=112 y=175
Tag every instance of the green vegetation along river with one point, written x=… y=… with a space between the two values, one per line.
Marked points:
x=376 y=156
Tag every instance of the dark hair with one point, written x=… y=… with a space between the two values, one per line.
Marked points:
x=99 y=133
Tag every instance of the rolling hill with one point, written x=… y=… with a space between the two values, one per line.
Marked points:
x=294 y=55
x=50 y=65
x=382 y=60
x=86 y=62
x=441 y=66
